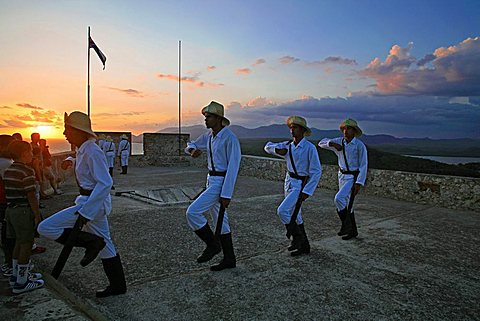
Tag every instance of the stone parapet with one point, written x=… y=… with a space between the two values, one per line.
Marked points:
x=440 y=190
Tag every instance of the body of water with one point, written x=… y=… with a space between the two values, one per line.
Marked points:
x=450 y=160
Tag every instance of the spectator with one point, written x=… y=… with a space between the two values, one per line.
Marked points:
x=47 y=167
x=22 y=216
x=7 y=244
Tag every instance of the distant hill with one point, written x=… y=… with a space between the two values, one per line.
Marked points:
x=377 y=159
x=465 y=147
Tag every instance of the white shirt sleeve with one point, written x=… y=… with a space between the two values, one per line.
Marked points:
x=363 y=158
x=324 y=143
x=314 y=171
x=199 y=143
x=97 y=164
x=234 y=156
x=270 y=148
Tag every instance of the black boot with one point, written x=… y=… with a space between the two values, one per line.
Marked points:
x=126 y=169
x=342 y=215
x=213 y=246
x=229 y=261
x=92 y=243
x=352 y=227
x=123 y=170
x=294 y=243
x=114 y=270
x=303 y=245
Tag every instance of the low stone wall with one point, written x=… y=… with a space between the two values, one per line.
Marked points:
x=62 y=175
x=440 y=190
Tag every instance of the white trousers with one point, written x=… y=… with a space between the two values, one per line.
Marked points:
x=292 y=188
x=124 y=158
x=53 y=227
x=209 y=200
x=110 y=158
x=345 y=183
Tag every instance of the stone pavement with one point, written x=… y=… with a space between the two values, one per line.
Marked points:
x=410 y=261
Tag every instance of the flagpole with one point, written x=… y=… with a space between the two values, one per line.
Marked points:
x=88 y=75
x=179 y=98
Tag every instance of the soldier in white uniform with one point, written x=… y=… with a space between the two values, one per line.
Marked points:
x=303 y=174
x=93 y=205
x=353 y=164
x=109 y=150
x=101 y=140
x=124 y=153
x=223 y=156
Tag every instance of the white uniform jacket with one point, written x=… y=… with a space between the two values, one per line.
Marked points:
x=226 y=156
x=92 y=174
x=100 y=143
x=356 y=153
x=123 y=147
x=109 y=148
x=307 y=162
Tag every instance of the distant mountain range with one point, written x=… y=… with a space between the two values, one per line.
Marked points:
x=465 y=147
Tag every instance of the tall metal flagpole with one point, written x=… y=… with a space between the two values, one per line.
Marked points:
x=88 y=75
x=179 y=98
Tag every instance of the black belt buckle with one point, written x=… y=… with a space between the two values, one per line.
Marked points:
x=85 y=192
x=295 y=176
x=215 y=173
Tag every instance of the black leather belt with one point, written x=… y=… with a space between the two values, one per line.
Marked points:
x=349 y=172
x=215 y=173
x=85 y=192
x=293 y=175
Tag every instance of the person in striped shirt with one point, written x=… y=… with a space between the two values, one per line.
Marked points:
x=22 y=216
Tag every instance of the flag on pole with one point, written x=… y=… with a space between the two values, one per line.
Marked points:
x=98 y=51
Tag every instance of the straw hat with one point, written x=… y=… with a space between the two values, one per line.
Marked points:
x=79 y=121
x=109 y=139
x=123 y=136
x=215 y=108
x=101 y=136
x=353 y=124
x=300 y=121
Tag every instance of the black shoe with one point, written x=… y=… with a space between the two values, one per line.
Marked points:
x=213 y=246
x=114 y=270
x=229 y=261
x=352 y=232
x=92 y=243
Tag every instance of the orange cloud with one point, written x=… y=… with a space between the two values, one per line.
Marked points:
x=243 y=71
x=192 y=80
x=451 y=71
x=211 y=68
x=130 y=92
x=25 y=105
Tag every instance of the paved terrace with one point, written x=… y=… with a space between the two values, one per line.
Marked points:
x=410 y=261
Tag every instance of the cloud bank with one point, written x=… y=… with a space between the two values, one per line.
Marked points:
x=448 y=72
x=401 y=116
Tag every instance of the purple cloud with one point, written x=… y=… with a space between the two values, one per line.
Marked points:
x=333 y=60
x=288 y=60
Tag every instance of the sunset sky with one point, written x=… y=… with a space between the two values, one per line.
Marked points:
x=404 y=68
